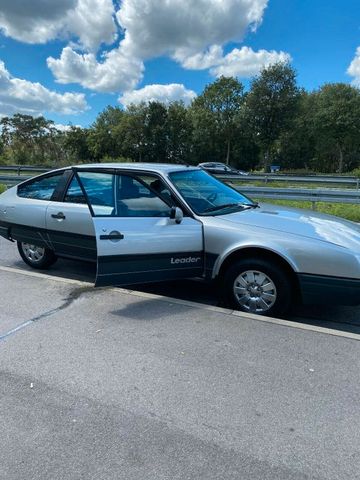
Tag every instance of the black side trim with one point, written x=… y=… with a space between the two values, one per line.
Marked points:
x=5 y=232
x=316 y=289
x=31 y=235
x=131 y=269
x=62 y=243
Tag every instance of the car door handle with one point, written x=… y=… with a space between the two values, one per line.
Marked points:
x=112 y=236
x=59 y=216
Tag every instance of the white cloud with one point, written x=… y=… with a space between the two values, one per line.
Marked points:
x=65 y=128
x=117 y=72
x=158 y=93
x=38 y=21
x=245 y=63
x=181 y=29
x=200 y=61
x=354 y=68
x=18 y=95
x=157 y=27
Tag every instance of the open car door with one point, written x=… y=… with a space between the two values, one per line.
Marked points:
x=137 y=241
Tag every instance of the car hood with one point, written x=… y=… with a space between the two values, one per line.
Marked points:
x=300 y=222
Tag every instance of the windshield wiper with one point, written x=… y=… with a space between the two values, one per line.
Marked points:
x=243 y=206
x=221 y=207
x=251 y=205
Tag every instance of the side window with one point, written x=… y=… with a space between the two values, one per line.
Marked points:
x=100 y=190
x=160 y=188
x=41 y=189
x=136 y=199
x=121 y=196
x=74 y=193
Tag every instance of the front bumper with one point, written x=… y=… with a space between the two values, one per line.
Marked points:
x=329 y=290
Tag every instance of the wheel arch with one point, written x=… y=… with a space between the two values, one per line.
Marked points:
x=264 y=254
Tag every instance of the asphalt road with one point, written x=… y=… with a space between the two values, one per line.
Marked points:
x=337 y=317
x=102 y=384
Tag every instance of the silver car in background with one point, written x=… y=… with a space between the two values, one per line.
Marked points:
x=153 y=222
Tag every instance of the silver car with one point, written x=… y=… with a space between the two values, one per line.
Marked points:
x=148 y=223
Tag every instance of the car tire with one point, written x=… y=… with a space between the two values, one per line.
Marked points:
x=258 y=286
x=36 y=257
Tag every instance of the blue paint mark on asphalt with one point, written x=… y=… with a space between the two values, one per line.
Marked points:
x=15 y=330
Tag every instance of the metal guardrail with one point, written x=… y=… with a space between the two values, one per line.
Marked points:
x=11 y=180
x=304 y=194
x=350 y=196
x=327 y=179
x=23 y=168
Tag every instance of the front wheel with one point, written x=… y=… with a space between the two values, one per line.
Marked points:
x=37 y=257
x=258 y=286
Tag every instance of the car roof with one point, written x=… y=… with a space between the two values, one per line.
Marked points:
x=153 y=167
x=212 y=163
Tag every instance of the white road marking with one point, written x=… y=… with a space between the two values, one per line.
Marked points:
x=246 y=316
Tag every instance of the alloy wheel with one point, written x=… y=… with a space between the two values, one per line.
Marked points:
x=255 y=291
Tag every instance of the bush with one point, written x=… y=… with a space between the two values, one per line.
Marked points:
x=356 y=172
x=2 y=188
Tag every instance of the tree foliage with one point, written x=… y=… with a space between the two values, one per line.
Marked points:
x=219 y=107
x=29 y=140
x=271 y=106
x=274 y=122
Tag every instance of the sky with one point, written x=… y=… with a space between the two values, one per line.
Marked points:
x=68 y=60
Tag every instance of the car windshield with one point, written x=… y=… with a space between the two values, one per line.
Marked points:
x=208 y=196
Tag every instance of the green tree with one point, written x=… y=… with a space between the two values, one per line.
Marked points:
x=271 y=106
x=156 y=132
x=217 y=109
x=296 y=147
x=130 y=132
x=102 y=135
x=76 y=144
x=28 y=139
x=179 y=132
x=336 y=122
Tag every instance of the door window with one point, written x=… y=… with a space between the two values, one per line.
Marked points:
x=121 y=195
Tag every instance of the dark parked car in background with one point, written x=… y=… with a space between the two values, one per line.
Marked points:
x=221 y=168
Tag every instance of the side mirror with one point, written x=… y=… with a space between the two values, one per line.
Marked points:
x=176 y=214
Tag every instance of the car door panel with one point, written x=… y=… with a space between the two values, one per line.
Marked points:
x=136 y=240
x=71 y=230
x=24 y=219
x=151 y=250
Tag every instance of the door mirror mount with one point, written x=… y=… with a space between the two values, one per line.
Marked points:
x=176 y=214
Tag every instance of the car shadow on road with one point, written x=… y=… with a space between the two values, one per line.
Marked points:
x=151 y=309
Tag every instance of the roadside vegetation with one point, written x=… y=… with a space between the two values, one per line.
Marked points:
x=273 y=122
x=2 y=188
x=344 y=210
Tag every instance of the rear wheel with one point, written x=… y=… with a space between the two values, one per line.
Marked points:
x=35 y=256
x=258 y=286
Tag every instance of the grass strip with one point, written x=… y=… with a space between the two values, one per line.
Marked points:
x=344 y=210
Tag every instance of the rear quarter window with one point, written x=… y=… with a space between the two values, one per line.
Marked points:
x=41 y=189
